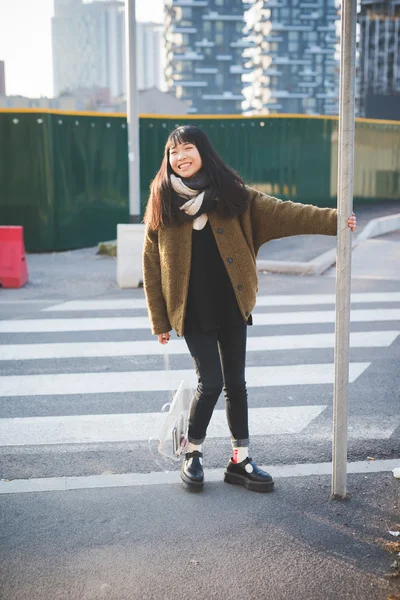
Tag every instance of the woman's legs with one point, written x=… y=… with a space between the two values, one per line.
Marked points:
x=209 y=351
x=204 y=349
x=232 y=347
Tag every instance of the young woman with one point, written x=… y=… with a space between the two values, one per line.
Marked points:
x=204 y=228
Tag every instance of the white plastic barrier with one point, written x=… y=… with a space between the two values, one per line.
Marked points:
x=129 y=255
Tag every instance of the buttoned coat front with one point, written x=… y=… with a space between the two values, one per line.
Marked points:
x=167 y=253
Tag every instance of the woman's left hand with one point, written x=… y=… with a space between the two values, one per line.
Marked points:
x=352 y=222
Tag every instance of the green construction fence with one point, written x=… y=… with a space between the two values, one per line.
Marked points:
x=64 y=176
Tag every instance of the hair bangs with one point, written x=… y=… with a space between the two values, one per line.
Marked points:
x=182 y=135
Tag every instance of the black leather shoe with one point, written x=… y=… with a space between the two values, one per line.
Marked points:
x=248 y=474
x=192 y=473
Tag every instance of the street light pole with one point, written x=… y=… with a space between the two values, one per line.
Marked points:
x=133 y=112
x=343 y=263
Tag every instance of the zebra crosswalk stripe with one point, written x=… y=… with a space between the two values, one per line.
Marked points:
x=358 y=339
x=83 y=429
x=125 y=323
x=141 y=381
x=271 y=300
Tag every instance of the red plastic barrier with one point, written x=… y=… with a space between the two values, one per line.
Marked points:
x=13 y=267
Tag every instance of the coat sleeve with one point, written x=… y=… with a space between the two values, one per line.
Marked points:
x=152 y=284
x=272 y=218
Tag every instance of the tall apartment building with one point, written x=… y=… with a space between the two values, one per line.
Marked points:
x=88 y=46
x=150 y=55
x=378 y=74
x=2 y=78
x=204 y=62
x=293 y=64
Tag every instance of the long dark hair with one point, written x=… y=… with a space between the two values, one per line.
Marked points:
x=229 y=186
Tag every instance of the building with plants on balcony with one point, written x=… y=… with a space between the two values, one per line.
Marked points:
x=204 y=46
x=293 y=63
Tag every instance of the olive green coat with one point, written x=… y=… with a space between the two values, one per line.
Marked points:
x=167 y=253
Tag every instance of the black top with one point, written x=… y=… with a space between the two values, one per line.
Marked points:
x=211 y=301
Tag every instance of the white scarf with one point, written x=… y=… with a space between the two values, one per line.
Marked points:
x=193 y=205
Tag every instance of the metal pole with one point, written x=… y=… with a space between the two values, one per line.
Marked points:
x=132 y=106
x=343 y=264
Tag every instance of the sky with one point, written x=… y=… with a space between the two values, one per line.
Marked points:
x=25 y=42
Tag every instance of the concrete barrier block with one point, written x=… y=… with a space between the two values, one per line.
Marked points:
x=130 y=238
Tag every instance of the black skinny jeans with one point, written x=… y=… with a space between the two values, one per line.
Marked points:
x=219 y=359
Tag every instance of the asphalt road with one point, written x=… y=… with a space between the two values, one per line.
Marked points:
x=161 y=543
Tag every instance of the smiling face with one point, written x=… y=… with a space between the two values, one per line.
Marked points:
x=185 y=159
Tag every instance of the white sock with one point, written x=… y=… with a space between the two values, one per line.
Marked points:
x=193 y=448
x=240 y=454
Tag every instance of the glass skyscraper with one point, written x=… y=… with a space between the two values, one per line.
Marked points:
x=88 y=46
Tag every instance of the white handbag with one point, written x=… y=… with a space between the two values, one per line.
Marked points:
x=173 y=439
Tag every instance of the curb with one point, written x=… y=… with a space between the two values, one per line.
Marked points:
x=321 y=263
x=380 y=226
